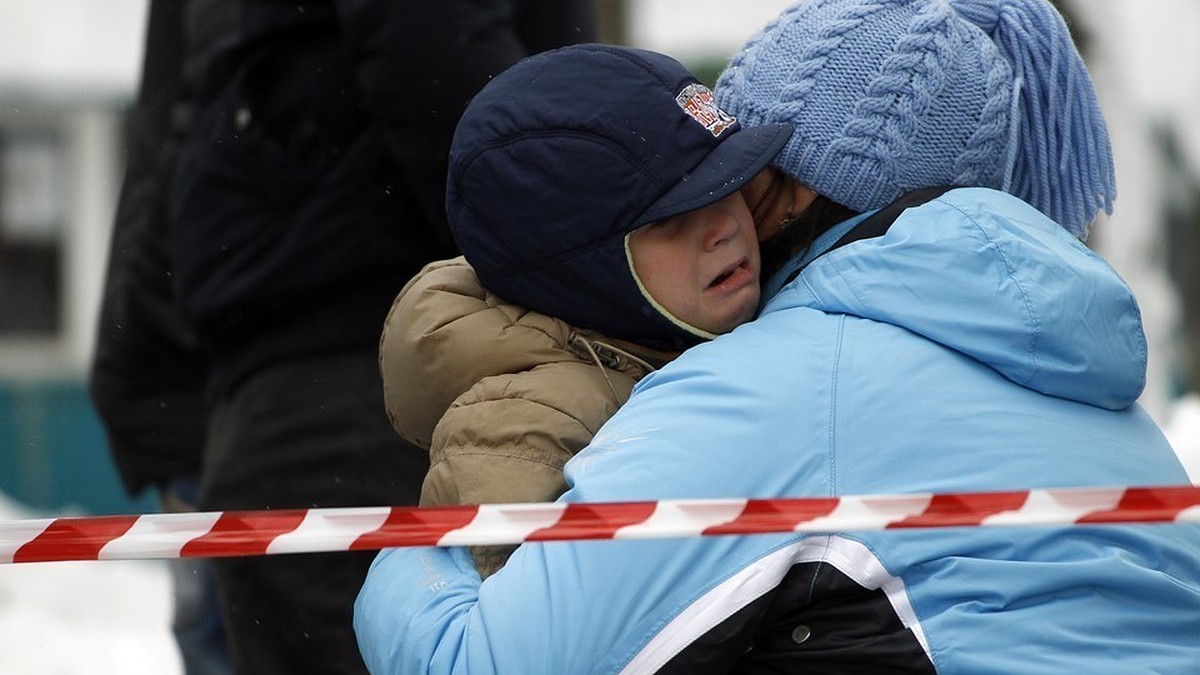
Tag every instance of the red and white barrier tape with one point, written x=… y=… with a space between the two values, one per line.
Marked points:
x=246 y=533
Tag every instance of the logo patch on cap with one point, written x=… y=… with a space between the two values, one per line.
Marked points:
x=699 y=103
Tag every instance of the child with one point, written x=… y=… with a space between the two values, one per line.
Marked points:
x=594 y=190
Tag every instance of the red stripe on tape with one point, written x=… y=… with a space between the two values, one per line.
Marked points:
x=955 y=510
x=74 y=539
x=775 y=515
x=238 y=533
x=585 y=521
x=1147 y=505
x=246 y=533
x=415 y=527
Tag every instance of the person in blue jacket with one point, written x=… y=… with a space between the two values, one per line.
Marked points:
x=936 y=325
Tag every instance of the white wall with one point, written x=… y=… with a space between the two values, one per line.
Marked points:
x=71 y=48
x=70 y=67
x=692 y=29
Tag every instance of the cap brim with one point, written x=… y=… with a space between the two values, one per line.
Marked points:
x=723 y=171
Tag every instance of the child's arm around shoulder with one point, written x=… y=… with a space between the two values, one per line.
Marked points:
x=507 y=439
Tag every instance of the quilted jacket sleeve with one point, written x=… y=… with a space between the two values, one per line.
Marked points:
x=508 y=437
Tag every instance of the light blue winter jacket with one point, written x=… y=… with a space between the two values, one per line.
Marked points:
x=974 y=346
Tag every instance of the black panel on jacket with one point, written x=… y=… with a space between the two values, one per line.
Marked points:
x=818 y=621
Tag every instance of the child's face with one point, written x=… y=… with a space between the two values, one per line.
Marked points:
x=702 y=266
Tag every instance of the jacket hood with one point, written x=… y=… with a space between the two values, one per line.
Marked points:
x=989 y=276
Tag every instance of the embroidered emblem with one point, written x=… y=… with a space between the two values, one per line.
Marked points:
x=698 y=102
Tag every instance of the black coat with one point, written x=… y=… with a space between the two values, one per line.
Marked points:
x=313 y=182
x=309 y=185
x=149 y=371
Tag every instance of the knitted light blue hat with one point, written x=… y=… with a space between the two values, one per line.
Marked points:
x=889 y=96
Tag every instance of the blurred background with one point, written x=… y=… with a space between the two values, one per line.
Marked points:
x=68 y=69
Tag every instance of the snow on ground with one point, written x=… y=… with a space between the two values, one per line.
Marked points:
x=84 y=618
x=101 y=618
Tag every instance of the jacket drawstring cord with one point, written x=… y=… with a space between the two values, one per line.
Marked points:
x=615 y=353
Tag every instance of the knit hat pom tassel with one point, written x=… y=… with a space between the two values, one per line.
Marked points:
x=1061 y=157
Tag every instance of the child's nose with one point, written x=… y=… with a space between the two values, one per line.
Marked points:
x=720 y=225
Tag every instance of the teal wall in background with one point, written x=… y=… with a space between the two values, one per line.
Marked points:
x=53 y=455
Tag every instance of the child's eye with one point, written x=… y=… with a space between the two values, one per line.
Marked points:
x=660 y=229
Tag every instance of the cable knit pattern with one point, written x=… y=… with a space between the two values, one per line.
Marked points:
x=889 y=117
x=903 y=91
x=888 y=97
x=994 y=137
x=812 y=61
x=985 y=13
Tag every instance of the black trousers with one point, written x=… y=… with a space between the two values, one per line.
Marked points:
x=303 y=434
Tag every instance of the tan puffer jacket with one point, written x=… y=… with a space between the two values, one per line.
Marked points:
x=500 y=395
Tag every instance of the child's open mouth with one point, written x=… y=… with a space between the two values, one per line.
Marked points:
x=735 y=276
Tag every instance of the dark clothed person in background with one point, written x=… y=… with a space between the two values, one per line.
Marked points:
x=309 y=187
x=148 y=373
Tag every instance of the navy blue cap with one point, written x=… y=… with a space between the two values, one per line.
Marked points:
x=564 y=154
